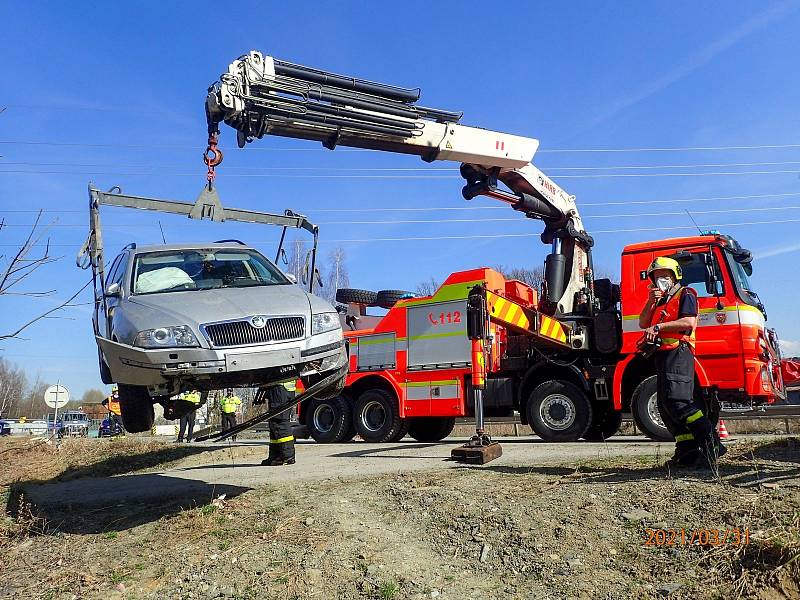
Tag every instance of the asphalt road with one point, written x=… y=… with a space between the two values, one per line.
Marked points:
x=233 y=468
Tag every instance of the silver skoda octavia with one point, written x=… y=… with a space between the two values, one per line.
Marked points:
x=206 y=317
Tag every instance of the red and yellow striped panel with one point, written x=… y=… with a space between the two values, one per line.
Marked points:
x=507 y=312
x=552 y=329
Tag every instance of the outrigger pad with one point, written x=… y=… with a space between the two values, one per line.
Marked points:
x=477 y=454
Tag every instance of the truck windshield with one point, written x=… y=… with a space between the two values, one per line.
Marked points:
x=742 y=281
x=198 y=269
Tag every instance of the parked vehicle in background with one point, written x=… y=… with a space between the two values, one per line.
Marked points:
x=70 y=423
x=109 y=428
x=5 y=427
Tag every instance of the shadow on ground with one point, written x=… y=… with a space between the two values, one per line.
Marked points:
x=104 y=504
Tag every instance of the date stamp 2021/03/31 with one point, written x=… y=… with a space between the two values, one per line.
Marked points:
x=697 y=537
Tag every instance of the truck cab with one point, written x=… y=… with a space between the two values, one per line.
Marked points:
x=737 y=356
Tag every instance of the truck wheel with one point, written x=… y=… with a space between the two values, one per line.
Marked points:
x=330 y=420
x=558 y=411
x=377 y=416
x=605 y=423
x=644 y=408
x=402 y=432
x=137 y=408
x=353 y=296
x=431 y=429
x=388 y=298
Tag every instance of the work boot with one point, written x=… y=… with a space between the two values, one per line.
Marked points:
x=277 y=462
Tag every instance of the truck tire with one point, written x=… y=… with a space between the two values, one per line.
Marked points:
x=136 y=406
x=353 y=296
x=402 y=432
x=330 y=420
x=559 y=411
x=388 y=298
x=605 y=423
x=377 y=416
x=431 y=429
x=644 y=409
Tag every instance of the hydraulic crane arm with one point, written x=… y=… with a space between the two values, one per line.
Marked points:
x=260 y=95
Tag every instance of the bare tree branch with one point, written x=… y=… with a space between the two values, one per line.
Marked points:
x=45 y=314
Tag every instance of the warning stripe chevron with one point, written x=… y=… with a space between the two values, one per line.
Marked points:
x=551 y=328
x=506 y=311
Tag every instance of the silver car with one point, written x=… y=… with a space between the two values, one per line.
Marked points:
x=207 y=317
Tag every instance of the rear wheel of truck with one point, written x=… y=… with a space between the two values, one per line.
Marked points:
x=559 y=411
x=377 y=416
x=431 y=429
x=354 y=296
x=644 y=408
x=605 y=423
x=402 y=432
x=137 y=408
x=329 y=420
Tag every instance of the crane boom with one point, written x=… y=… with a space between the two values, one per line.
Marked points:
x=260 y=95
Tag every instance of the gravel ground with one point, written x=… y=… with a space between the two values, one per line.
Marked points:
x=572 y=530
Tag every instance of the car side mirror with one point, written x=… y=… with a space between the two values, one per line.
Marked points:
x=113 y=291
x=291 y=277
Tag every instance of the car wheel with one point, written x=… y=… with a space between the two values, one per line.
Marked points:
x=605 y=423
x=329 y=420
x=353 y=296
x=644 y=407
x=431 y=429
x=377 y=416
x=559 y=411
x=137 y=408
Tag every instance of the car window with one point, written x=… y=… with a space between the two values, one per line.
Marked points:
x=198 y=269
x=113 y=271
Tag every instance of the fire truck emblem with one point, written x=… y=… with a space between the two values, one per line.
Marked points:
x=722 y=317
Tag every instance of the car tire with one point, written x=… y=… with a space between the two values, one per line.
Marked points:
x=558 y=411
x=329 y=420
x=136 y=406
x=605 y=423
x=377 y=416
x=388 y=298
x=354 y=296
x=431 y=429
x=644 y=409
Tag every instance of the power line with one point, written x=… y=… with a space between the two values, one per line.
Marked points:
x=504 y=235
x=481 y=220
x=495 y=207
x=287 y=176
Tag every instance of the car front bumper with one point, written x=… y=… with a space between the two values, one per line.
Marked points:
x=138 y=366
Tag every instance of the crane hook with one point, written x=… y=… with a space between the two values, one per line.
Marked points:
x=212 y=157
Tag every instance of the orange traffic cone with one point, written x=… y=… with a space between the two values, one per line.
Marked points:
x=723 y=431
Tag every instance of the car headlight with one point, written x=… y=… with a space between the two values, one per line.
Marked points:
x=322 y=322
x=166 y=337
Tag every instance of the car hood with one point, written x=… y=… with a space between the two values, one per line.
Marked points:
x=207 y=306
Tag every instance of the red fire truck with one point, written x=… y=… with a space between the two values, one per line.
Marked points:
x=568 y=360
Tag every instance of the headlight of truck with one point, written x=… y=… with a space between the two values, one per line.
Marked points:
x=322 y=322
x=166 y=337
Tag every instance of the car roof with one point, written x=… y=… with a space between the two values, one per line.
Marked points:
x=197 y=246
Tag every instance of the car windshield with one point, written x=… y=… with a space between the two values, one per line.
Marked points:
x=199 y=269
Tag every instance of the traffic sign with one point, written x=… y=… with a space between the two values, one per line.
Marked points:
x=56 y=396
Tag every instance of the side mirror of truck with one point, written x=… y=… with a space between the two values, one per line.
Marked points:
x=113 y=291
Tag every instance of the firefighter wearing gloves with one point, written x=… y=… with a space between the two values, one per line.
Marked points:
x=187 y=420
x=670 y=318
x=228 y=405
x=281 y=438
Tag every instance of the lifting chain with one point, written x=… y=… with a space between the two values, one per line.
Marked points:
x=212 y=157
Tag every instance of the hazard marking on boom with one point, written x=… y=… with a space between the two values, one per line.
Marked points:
x=498 y=145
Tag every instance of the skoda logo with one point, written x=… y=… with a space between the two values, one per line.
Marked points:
x=258 y=322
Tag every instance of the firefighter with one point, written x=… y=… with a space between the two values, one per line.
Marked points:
x=670 y=315
x=228 y=405
x=281 y=438
x=187 y=420
x=114 y=411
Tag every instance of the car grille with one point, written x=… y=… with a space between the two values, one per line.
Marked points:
x=241 y=333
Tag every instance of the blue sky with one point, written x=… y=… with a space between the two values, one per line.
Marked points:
x=113 y=93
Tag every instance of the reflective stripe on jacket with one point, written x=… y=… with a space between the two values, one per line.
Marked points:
x=671 y=312
x=229 y=404
x=291 y=386
x=194 y=398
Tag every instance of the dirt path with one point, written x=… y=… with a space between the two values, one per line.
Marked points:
x=574 y=528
